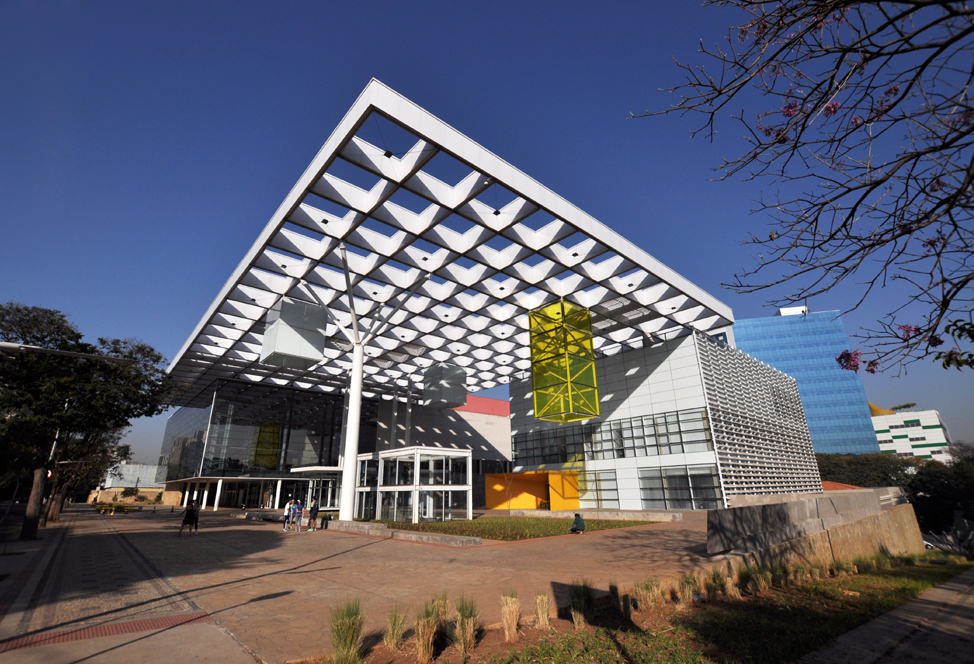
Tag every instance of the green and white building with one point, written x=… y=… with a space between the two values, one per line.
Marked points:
x=916 y=433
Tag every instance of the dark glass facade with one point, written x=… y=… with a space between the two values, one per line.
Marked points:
x=258 y=430
x=805 y=347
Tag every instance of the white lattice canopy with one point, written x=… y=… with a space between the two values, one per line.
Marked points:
x=463 y=243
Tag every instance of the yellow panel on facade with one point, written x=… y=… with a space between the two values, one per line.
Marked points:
x=516 y=491
x=563 y=363
x=563 y=490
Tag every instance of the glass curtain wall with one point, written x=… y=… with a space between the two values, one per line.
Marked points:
x=680 y=488
x=182 y=444
x=676 y=432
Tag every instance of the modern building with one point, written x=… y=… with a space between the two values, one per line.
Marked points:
x=911 y=433
x=689 y=423
x=804 y=345
x=409 y=266
x=128 y=475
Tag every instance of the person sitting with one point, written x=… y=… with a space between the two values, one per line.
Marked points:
x=578 y=525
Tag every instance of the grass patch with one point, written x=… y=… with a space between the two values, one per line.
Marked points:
x=510 y=529
x=782 y=625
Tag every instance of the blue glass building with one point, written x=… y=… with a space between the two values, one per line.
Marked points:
x=804 y=346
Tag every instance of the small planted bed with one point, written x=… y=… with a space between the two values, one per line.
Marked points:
x=511 y=529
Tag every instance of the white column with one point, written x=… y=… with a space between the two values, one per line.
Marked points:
x=346 y=510
x=206 y=494
x=416 y=486
x=216 y=498
x=277 y=496
x=469 y=487
x=186 y=496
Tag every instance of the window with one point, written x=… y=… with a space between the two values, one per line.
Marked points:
x=397 y=506
x=397 y=471
x=597 y=489
x=369 y=473
x=918 y=439
x=680 y=488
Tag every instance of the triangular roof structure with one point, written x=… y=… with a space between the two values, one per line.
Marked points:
x=489 y=243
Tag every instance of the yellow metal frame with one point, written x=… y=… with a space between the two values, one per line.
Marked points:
x=563 y=363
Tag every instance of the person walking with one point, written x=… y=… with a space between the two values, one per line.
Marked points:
x=189 y=518
x=296 y=511
x=313 y=515
x=287 y=514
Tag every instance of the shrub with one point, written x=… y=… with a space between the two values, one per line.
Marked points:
x=582 y=600
x=346 y=632
x=647 y=593
x=395 y=629
x=542 y=612
x=466 y=625
x=427 y=625
x=510 y=615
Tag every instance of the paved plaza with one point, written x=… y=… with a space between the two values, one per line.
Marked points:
x=246 y=586
x=125 y=589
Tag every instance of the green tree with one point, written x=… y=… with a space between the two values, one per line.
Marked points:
x=940 y=492
x=57 y=407
x=130 y=492
x=860 y=114
x=867 y=470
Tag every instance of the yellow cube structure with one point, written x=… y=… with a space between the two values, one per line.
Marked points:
x=563 y=363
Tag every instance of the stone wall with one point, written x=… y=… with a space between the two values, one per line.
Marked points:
x=893 y=531
x=758 y=527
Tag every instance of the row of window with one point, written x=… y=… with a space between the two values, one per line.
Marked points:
x=398 y=506
x=676 y=432
x=680 y=488
x=400 y=471
x=918 y=439
x=905 y=425
x=675 y=488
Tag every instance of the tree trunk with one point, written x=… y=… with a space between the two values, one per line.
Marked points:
x=54 y=487
x=35 y=505
x=57 y=502
x=13 y=499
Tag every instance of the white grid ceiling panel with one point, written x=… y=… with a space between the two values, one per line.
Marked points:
x=494 y=242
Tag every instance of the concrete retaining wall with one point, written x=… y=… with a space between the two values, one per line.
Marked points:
x=758 y=527
x=893 y=531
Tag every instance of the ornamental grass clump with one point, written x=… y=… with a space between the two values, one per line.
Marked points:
x=442 y=607
x=718 y=579
x=647 y=593
x=686 y=586
x=395 y=629
x=466 y=624
x=582 y=600
x=542 y=612
x=347 y=620
x=510 y=615
x=427 y=626
x=745 y=579
x=840 y=568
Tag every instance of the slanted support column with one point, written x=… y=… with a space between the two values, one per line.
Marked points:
x=277 y=496
x=186 y=496
x=216 y=498
x=206 y=494
x=346 y=510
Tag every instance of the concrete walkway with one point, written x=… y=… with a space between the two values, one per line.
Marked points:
x=82 y=593
x=936 y=627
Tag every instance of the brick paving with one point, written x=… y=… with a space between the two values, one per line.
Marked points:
x=274 y=590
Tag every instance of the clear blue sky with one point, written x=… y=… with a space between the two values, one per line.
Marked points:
x=145 y=145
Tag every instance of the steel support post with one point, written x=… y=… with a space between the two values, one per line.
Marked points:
x=346 y=510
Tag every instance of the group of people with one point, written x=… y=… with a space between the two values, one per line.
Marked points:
x=293 y=512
